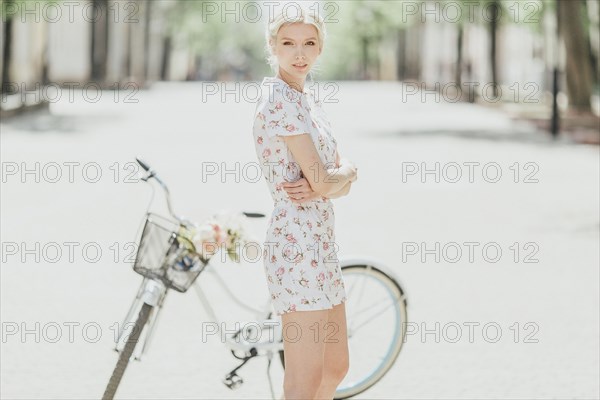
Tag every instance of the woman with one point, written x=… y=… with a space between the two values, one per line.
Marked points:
x=303 y=169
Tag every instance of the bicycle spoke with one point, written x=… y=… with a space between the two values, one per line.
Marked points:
x=354 y=313
x=361 y=293
x=354 y=329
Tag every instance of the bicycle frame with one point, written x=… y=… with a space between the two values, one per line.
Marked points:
x=234 y=343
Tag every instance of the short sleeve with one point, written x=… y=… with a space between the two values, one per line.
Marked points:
x=286 y=115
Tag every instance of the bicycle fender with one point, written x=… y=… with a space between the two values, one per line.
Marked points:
x=350 y=260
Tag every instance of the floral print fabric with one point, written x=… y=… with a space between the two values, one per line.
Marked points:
x=300 y=254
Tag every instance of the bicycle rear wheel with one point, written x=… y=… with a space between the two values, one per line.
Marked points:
x=126 y=353
x=376 y=318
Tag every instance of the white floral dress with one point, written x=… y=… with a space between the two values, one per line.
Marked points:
x=300 y=254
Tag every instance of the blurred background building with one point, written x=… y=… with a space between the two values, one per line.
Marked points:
x=484 y=47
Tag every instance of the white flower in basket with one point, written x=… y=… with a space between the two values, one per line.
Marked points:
x=221 y=231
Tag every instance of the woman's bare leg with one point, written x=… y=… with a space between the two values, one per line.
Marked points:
x=336 y=359
x=304 y=353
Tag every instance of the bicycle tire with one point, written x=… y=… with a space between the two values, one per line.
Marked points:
x=382 y=371
x=123 y=361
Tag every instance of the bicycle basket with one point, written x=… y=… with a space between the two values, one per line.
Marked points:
x=166 y=255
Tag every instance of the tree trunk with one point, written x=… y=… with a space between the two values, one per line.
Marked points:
x=578 y=69
x=459 y=53
x=128 y=64
x=6 y=53
x=376 y=75
x=99 y=48
x=493 y=45
x=592 y=51
x=365 y=56
x=147 y=38
x=401 y=55
x=166 y=55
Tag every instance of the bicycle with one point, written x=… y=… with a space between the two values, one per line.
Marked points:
x=165 y=261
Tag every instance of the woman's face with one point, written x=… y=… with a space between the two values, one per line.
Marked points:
x=297 y=49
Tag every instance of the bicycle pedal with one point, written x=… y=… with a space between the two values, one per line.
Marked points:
x=233 y=381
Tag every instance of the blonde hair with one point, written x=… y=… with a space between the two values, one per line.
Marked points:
x=283 y=17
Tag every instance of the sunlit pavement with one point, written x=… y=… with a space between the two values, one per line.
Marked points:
x=515 y=318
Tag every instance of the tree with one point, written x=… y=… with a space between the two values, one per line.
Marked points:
x=578 y=68
x=99 y=42
x=494 y=18
x=7 y=7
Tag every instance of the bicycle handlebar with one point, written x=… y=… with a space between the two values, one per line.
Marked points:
x=152 y=175
x=142 y=164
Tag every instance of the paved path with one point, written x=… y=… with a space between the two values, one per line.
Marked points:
x=390 y=214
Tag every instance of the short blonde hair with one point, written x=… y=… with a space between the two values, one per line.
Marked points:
x=285 y=17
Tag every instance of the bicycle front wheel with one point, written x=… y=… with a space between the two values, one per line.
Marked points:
x=126 y=353
x=376 y=317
